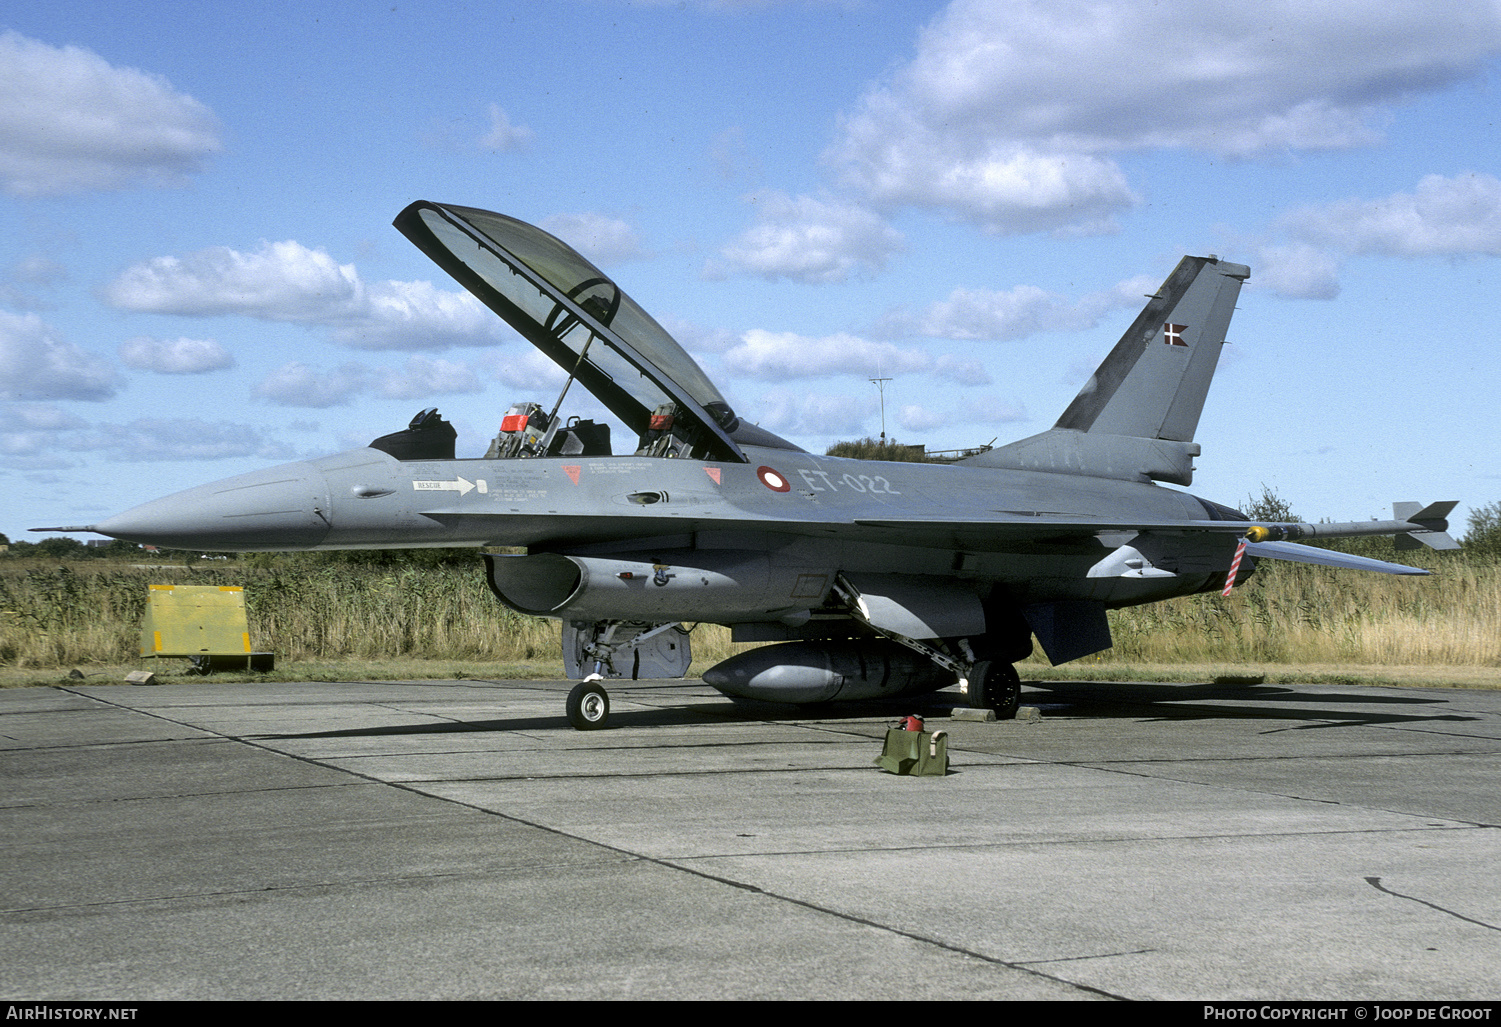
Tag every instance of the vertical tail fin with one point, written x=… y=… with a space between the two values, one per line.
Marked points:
x=1153 y=383
x=1136 y=416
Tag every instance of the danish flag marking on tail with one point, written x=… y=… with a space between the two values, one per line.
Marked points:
x=1173 y=334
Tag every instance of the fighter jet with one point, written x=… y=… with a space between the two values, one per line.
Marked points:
x=869 y=579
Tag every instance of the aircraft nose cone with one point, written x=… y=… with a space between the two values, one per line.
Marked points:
x=278 y=508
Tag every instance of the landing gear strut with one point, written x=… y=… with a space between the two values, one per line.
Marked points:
x=987 y=684
x=995 y=685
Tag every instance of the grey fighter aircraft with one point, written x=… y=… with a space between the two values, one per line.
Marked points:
x=872 y=579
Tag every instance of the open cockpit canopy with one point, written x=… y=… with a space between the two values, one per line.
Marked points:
x=575 y=314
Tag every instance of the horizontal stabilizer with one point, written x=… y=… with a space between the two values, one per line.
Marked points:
x=1298 y=553
x=1068 y=451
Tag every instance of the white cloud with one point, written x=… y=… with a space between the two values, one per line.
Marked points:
x=1003 y=187
x=1441 y=217
x=727 y=6
x=503 y=135
x=990 y=314
x=152 y=438
x=48 y=432
x=38 y=269
x=282 y=281
x=423 y=377
x=298 y=385
x=35 y=363
x=527 y=370
x=179 y=356
x=777 y=356
x=34 y=271
x=811 y=240
x=914 y=417
x=990 y=409
x=806 y=414
x=31 y=449
x=20 y=443
x=986 y=314
x=782 y=356
x=31 y=433
x=985 y=409
x=603 y=239
x=288 y=282
x=418 y=315
x=982 y=409
x=42 y=416
x=1298 y=272
x=960 y=370
x=696 y=338
x=71 y=122
x=1011 y=114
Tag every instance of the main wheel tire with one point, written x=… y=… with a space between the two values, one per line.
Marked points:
x=1006 y=691
x=588 y=706
x=995 y=685
x=975 y=693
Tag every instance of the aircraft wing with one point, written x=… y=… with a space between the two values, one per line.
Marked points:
x=1024 y=526
x=1297 y=553
x=568 y=530
x=1006 y=533
x=1042 y=527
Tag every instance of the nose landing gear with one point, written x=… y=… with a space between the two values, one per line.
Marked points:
x=588 y=706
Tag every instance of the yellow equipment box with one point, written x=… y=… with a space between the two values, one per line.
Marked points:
x=203 y=623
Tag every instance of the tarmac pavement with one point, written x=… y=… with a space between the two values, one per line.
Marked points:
x=459 y=840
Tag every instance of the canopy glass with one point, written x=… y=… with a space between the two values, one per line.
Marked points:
x=574 y=313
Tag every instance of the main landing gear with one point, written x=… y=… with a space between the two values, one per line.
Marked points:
x=986 y=684
x=994 y=685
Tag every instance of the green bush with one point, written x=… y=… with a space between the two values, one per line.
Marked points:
x=1484 y=537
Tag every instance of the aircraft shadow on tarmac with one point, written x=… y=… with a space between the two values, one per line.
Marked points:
x=1147 y=700
x=1074 y=700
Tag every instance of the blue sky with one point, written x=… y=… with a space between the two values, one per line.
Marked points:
x=199 y=276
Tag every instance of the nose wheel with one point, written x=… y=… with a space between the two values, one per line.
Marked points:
x=588 y=706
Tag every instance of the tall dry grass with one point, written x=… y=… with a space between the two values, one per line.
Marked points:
x=68 y=614
x=58 y=615
x=80 y=613
x=1296 y=613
